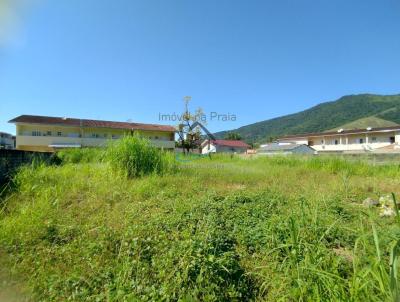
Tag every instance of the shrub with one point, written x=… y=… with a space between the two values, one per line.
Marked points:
x=80 y=155
x=135 y=156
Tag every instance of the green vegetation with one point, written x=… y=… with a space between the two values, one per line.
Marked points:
x=220 y=229
x=80 y=155
x=135 y=156
x=325 y=116
x=233 y=136
x=131 y=156
x=363 y=123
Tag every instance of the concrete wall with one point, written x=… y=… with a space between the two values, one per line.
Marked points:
x=371 y=158
x=10 y=160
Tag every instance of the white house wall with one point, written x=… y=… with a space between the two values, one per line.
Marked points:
x=351 y=142
x=297 y=141
x=208 y=149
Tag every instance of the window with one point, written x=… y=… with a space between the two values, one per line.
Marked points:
x=95 y=135
x=336 y=142
x=156 y=137
x=105 y=135
x=59 y=133
x=322 y=141
x=392 y=139
x=311 y=143
x=48 y=133
x=374 y=139
x=36 y=133
x=361 y=140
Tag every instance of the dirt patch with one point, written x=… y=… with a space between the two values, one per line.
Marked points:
x=344 y=253
x=11 y=290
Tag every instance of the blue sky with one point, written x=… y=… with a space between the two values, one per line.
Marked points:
x=126 y=59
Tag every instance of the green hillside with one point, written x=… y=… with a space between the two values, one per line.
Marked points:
x=325 y=116
x=371 y=121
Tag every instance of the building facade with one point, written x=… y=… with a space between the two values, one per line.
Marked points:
x=224 y=146
x=44 y=133
x=7 y=141
x=348 y=141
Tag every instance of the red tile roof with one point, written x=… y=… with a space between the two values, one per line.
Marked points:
x=49 y=120
x=230 y=143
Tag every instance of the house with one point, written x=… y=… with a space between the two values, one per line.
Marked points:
x=349 y=141
x=224 y=146
x=45 y=133
x=7 y=141
x=284 y=149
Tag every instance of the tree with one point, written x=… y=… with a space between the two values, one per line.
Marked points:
x=189 y=130
x=255 y=145
x=233 y=136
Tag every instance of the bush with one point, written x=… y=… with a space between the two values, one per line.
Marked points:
x=135 y=156
x=80 y=155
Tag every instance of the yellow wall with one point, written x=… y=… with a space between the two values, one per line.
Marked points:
x=25 y=139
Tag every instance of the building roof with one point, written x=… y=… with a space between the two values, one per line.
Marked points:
x=352 y=131
x=74 y=122
x=280 y=147
x=229 y=143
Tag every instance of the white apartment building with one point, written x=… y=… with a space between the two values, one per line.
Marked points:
x=7 y=141
x=355 y=140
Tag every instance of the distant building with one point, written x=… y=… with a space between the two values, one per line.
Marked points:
x=45 y=133
x=349 y=141
x=224 y=146
x=285 y=148
x=7 y=141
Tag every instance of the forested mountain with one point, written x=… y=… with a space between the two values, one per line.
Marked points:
x=352 y=111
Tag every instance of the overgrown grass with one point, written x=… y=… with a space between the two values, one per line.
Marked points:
x=81 y=155
x=135 y=156
x=225 y=229
x=132 y=156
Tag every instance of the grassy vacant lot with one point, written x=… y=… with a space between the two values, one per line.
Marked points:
x=226 y=229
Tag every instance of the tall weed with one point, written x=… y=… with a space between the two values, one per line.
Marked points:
x=80 y=155
x=134 y=156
